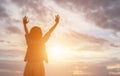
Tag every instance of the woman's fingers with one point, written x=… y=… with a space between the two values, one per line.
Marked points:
x=25 y=20
x=57 y=18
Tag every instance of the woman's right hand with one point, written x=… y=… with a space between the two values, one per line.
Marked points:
x=25 y=20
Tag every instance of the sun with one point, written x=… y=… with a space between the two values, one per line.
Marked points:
x=57 y=53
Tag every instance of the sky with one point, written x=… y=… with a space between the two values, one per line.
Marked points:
x=85 y=42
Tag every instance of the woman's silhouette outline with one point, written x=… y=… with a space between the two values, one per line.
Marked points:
x=36 y=51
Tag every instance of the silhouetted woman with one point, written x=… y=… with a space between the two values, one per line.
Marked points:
x=36 y=51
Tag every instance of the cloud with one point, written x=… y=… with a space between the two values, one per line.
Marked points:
x=3 y=13
x=104 y=13
x=2 y=42
x=97 y=70
x=104 y=68
x=11 y=54
x=89 y=42
x=77 y=69
x=11 y=68
x=81 y=69
x=36 y=8
x=91 y=39
x=113 y=66
x=84 y=42
x=13 y=30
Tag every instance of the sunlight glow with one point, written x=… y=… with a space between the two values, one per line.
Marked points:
x=63 y=54
x=57 y=52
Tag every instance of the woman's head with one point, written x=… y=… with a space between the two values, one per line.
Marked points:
x=35 y=33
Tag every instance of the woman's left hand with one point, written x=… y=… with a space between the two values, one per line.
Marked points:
x=57 y=18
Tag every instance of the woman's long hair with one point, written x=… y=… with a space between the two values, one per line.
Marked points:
x=35 y=33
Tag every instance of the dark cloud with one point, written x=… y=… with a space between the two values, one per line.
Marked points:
x=13 y=30
x=11 y=68
x=10 y=53
x=85 y=37
x=4 y=41
x=35 y=7
x=110 y=61
x=104 y=13
x=101 y=68
x=89 y=42
x=80 y=69
x=20 y=3
x=115 y=45
x=114 y=71
x=3 y=13
x=86 y=42
x=97 y=71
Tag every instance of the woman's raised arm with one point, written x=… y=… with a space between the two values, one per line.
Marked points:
x=25 y=21
x=47 y=35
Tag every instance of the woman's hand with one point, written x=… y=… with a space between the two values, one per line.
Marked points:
x=25 y=20
x=57 y=18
